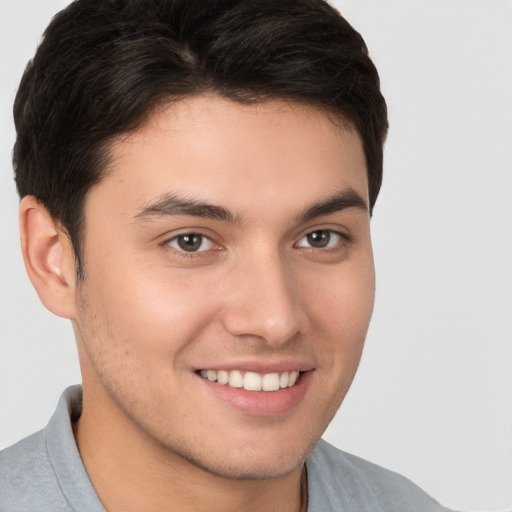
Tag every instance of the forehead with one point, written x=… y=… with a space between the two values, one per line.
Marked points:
x=227 y=152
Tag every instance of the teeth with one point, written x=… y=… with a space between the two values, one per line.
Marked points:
x=222 y=377
x=235 y=379
x=270 y=382
x=252 y=381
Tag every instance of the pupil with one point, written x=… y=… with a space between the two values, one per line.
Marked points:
x=190 y=242
x=319 y=239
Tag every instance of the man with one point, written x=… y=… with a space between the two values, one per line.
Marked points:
x=197 y=180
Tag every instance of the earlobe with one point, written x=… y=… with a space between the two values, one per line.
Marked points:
x=49 y=257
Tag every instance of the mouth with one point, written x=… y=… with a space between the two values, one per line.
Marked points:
x=269 y=392
x=252 y=381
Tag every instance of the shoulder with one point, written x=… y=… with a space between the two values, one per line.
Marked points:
x=44 y=472
x=340 y=481
x=27 y=479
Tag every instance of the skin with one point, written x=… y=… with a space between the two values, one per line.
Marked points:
x=148 y=314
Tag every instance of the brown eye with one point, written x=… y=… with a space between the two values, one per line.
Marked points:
x=191 y=242
x=321 y=239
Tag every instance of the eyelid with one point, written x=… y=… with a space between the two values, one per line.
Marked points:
x=186 y=230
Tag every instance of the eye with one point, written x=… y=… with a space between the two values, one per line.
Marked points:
x=321 y=239
x=191 y=242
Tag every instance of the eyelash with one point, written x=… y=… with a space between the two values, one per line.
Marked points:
x=168 y=244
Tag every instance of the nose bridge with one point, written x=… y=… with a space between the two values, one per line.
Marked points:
x=265 y=302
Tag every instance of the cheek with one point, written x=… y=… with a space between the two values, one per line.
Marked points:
x=343 y=299
x=144 y=316
x=341 y=310
x=134 y=337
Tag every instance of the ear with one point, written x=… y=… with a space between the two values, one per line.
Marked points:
x=49 y=257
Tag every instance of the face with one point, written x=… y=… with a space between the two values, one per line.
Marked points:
x=229 y=282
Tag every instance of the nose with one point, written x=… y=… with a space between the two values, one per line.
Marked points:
x=264 y=301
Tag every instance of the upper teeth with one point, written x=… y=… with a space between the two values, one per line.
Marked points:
x=252 y=381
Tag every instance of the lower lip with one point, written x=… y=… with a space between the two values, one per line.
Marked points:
x=261 y=403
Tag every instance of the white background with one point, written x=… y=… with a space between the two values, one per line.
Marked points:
x=433 y=397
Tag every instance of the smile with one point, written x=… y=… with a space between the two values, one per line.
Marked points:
x=252 y=381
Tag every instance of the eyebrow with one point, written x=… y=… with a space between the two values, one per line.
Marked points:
x=173 y=204
x=346 y=198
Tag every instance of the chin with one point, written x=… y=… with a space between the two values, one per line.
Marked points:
x=249 y=465
x=250 y=470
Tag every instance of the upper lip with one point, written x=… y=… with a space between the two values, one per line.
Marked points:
x=262 y=366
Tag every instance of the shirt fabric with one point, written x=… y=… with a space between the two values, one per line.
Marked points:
x=44 y=472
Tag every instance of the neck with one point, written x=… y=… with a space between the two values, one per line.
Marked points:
x=130 y=472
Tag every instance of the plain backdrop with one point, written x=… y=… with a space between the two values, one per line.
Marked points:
x=433 y=396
